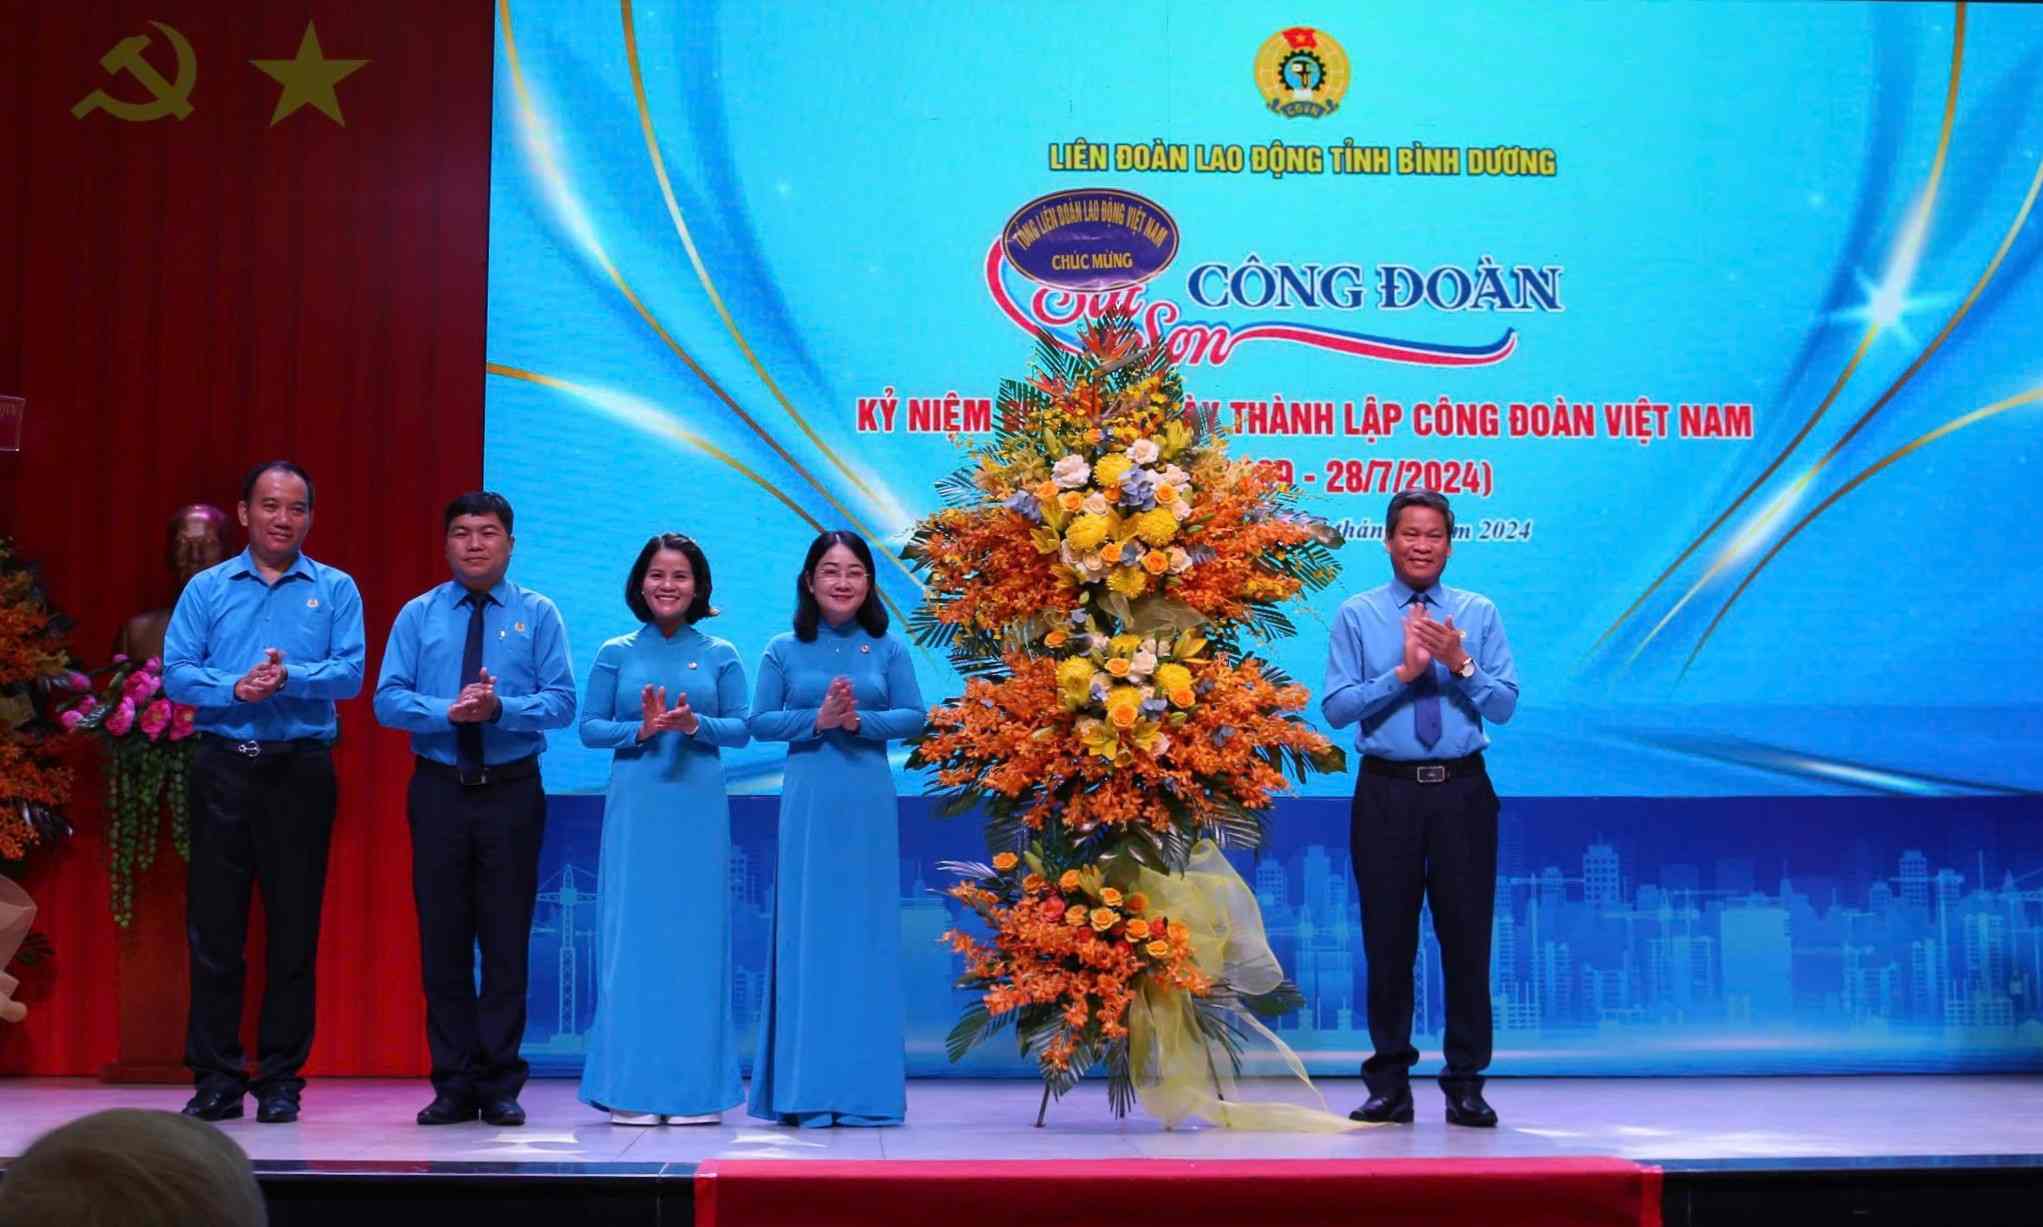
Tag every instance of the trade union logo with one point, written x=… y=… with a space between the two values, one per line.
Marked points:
x=1302 y=72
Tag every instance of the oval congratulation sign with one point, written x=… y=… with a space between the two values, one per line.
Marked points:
x=1090 y=239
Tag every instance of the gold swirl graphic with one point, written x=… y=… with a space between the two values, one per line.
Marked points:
x=1956 y=424
x=716 y=300
x=542 y=153
x=1915 y=229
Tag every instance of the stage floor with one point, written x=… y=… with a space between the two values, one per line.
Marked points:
x=1771 y=1121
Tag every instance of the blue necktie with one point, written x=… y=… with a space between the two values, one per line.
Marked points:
x=1425 y=700
x=468 y=735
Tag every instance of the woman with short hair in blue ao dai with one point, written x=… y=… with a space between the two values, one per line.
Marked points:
x=832 y=1034
x=665 y=700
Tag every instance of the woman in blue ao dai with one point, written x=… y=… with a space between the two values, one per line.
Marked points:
x=832 y=1035
x=664 y=699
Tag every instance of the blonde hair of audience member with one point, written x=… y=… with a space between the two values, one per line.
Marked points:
x=128 y=1167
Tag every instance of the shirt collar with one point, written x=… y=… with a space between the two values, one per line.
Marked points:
x=244 y=564
x=1404 y=592
x=499 y=593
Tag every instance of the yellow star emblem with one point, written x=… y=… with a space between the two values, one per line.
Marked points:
x=308 y=80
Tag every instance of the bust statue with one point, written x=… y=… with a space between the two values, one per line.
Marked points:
x=198 y=539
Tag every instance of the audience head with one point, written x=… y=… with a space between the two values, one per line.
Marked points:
x=128 y=1167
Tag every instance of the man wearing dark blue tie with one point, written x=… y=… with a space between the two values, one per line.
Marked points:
x=476 y=671
x=1421 y=666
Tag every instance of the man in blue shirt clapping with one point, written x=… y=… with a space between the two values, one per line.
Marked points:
x=1420 y=667
x=262 y=645
x=476 y=671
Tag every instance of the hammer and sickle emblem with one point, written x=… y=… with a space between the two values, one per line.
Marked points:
x=166 y=97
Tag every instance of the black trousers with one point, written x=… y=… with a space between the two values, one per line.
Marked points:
x=1438 y=843
x=475 y=876
x=263 y=821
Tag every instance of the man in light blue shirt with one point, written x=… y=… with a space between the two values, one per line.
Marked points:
x=262 y=645
x=476 y=671
x=1420 y=667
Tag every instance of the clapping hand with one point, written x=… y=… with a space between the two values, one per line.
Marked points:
x=477 y=701
x=1440 y=640
x=656 y=717
x=1418 y=658
x=840 y=707
x=262 y=679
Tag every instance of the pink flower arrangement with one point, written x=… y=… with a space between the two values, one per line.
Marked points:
x=122 y=718
x=142 y=684
x=182 y=716
x=70 y=716
x=156 y=718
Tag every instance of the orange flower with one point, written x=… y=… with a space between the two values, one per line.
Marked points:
x=1111 y=552
x=1071 y=500
x=1118 y=666
x=1137 y=902
x=1057 y=638
x=1110 y=897
x=1034 y=884
x=1156 y=562
x=1004 y=861
x=1137 y=930
x=1182 y=697
x=1068 y=880
x=1103 y=918
x=1158 y=950
x=1075 y=915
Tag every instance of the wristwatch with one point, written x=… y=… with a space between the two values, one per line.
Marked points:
x=1468 y=668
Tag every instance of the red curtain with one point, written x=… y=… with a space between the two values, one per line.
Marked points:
x=182 y=297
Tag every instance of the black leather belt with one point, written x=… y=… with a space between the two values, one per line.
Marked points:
x=266 y=749
x=497 y=773
x=1430 y=771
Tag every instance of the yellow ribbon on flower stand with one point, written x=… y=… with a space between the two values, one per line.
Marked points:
x=1180 y=1074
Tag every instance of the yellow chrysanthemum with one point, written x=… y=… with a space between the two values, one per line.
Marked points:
x=1124 y=645
x=1004 y=861
x=1074 y=679
x=1107 y=474
x=1130 y=582
x=1172 y=676
x=1157 y=526
x=1089 y=530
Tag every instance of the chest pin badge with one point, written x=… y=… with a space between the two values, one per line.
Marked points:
x=691 y=664
x=864 y=648
x=312 y=602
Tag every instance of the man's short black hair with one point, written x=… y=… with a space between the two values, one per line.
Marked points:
x=698 y=563
x=277 y=466
x=478 y=503
x=1418 y=498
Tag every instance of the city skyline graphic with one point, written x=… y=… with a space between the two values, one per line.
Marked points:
x=1647 y=935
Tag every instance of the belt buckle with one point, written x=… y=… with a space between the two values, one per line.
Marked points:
x=248 y=749
x=1432 y=773
x=475 y=780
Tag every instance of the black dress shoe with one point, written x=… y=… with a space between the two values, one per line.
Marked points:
x=502 y=1111
x=1465 y=1106
x=1386 y=1108
x=215 y=1105
x=276 y=1108
x=447 y=1110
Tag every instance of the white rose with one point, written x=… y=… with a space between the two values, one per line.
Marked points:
x=1160 y=744
x=1175 y=476
x=1142 y=664
x=1182 y=510
x=1096 y=503
x=1071 y=472
x=1143 y=451
x=1180 y=562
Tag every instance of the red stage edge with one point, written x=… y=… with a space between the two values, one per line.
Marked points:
x=1578 y=1192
